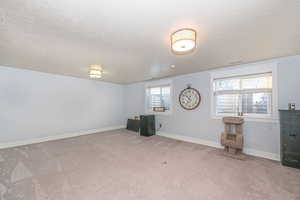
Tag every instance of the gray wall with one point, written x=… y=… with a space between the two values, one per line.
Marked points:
x=259 y=136
x=36 y=105
x=289 y=81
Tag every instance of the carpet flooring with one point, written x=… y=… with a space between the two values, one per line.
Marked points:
x=120 y=165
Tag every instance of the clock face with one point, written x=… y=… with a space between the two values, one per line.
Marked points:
x=189 y=98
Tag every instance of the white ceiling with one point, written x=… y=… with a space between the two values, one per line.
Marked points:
x=130 y=39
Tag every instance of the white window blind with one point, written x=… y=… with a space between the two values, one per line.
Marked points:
x=159 y=96
x=249 y=95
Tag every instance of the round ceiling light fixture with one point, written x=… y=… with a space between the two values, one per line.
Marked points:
x=95 y=71
x=183 y=41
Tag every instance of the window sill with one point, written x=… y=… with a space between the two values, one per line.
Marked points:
x=250 y=119
x=159 y=113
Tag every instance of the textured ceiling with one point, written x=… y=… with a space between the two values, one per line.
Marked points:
x=130 y=39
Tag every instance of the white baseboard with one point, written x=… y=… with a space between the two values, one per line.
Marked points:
x=252 y=152
x=262 y=154
x=189 y=139
x=58 y=137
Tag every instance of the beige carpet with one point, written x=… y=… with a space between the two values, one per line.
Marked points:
x=120 y=165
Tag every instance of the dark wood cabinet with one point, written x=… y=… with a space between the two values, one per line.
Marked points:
x=290 y=137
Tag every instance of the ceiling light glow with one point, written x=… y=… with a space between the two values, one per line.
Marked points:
x=183 y=41
x=95 y=71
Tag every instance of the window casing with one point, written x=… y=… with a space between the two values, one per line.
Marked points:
x=159 y=96
x=244 y=95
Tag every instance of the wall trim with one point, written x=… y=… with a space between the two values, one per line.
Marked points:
x=58 y=137
x=248 y=69
x=252 y=152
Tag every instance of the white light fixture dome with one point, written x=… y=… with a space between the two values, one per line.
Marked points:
x=183 y=41
x=95 y=71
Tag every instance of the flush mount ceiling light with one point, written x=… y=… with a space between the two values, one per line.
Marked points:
x=183 y=41
x=95 y=71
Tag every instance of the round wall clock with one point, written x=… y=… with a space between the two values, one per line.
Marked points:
x=189 y=98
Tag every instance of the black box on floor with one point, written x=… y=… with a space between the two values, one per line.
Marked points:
x=147 y=125
x=133 y=125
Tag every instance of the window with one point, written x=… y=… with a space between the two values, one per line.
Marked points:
x=245 y=95
x=158 y=98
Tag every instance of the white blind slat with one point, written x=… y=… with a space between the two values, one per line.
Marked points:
x=251 y=94
x=159 y=96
